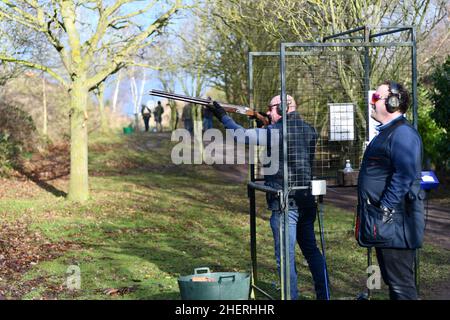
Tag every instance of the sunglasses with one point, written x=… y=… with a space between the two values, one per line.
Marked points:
x=271 y=106
x=375 y=98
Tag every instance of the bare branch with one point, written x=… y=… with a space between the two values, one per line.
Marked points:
x=143 y=65
x=102 y=26
x=133 y=14
x=134 y=44
x=36 y=66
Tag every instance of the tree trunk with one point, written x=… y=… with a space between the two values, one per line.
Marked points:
x=141 y=91
x=198 y=134
x=173 y=115
x=78 y=185
x=101 y=105
x=134 y=94
x=103 y=121
x=116 y=92
x=44 y=106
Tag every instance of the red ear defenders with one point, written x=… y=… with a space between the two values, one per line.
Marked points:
x=394 y=99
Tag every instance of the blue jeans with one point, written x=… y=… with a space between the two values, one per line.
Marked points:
x=301 y=230
x=188 y=125
x=207 y=123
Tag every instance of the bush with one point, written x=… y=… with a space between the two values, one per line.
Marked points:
x=432 y=135
x=8 y=152
x=17 y=134
x=440 y=98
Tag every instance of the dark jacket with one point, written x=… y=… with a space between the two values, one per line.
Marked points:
x=159 y=110
x=301 y=144
x=146 y=112
x=187 y=112
x=390 y=175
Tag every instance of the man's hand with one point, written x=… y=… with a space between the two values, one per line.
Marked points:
x=387 y=214
x=259 y=122
x=217 y=110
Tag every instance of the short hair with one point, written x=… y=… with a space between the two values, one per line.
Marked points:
x=277 y=100
x=403 y=92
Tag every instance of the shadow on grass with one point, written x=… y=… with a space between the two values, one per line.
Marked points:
x=41 y=183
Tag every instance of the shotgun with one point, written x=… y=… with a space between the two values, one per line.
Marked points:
x=208 y=102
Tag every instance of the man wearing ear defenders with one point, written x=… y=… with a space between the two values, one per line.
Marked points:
x=302 y=211
x=390 y=214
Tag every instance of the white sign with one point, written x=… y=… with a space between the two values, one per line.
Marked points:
x=427 y=179
x=342 y=127
x=372 y=123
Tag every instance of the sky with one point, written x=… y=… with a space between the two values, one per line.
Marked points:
x=125 y=97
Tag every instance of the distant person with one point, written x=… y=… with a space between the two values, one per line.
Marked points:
x=146 y=115
x=207 y=119
x=186 y=117
x=159 y=110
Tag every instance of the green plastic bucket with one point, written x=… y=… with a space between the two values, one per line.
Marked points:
x=222 y=285
x=127 y=130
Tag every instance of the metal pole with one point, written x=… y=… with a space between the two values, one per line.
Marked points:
x=250 y=80
x=414 y=76
x=251 y=190
x=285 y=269
x=415 y=123
x=369 y=263
x=322 y=243
x=342 y=33
x=366 y=76
x=252 y=198
x=417 y=270
x=390 y=32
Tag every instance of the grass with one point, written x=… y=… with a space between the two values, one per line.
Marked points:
x=149 y=221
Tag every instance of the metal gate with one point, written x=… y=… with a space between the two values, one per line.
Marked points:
x=330 y=81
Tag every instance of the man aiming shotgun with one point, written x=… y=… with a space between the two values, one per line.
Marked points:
x=231 y=108
x=302 y=212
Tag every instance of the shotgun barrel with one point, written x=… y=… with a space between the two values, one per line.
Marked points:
x=174 y=96
x=208 y=102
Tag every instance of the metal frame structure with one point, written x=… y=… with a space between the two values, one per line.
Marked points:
x=351 y=38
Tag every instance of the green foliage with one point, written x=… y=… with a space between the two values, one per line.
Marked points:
x=8 y=150
x=17 y=134
x=429 y=131
x=439 y=96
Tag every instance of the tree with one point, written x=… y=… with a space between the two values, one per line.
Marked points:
x=80 y=31
x=100 y=94
x=240 y=26
x=167 y=60
x=11 y=39
x=183 y=63
x=192 y=74
x=116 y=91
x=137 y=91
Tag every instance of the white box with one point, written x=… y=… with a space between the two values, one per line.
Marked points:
x=318 y=187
